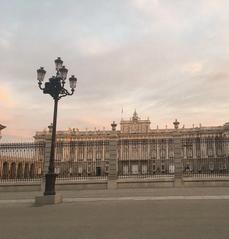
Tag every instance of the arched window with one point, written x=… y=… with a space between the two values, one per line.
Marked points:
x=26 y=170
x=32 y=171
x=13 y=170
x=209 y=146
x=198 y=147
x=20 y=170
x=219 y=146
x=5 y=170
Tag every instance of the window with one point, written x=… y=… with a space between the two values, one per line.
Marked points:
x=134 y=169
x=144 y=169
x=211 y=166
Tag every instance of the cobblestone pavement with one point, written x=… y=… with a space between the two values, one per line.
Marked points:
x=201 y=191
x=117 y=219
x=130 y=213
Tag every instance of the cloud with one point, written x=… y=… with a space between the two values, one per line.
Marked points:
x=166 y=58
x=193 y=68
x=93 y=46
x=213 y=7
x=5 y=39
x=4 y=43
x=145 y=5
x=6 y=99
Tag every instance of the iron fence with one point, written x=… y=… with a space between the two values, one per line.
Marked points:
x=141 y=158
x=205 y=157
x=77 y=160
x=206 y=167
x=146 y=168
x=144 y=158
x=21 y=161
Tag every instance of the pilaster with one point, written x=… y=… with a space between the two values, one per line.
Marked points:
x=178 y=160
x=113 y=158
x=194 y=148
x=46 y=160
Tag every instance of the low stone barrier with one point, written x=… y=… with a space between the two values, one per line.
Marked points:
x=20 y=186
x=121 y=183
x=144 y=182
x=88 y=184
x=206 y=181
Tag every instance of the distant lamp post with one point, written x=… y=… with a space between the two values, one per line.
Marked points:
x=55 y=88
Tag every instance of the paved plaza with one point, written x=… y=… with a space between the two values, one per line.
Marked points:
x=152 y=213
x=120 y=193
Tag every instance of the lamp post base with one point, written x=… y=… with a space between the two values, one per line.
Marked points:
x=48 y=200
x=50 y=179
x=50 y=196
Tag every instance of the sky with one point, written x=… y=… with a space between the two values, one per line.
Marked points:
x=166 y=59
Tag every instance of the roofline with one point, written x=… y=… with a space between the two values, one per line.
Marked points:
x=2 y=127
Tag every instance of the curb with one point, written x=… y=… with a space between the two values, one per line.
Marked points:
x=156 y=198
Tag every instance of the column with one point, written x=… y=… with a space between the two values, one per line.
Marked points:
x=214 y=147
x=167 y=149
x=203 y=147
x=178 y=182
x=76 y=152
x=94 y=150
x=46 y=161
x=103 y=156
x=194 y=148
x=113 y=160
x=158 y=150
x=148 y=150
x=226 y=142
x=185 y=148
x=85 y=148
x=47 y=154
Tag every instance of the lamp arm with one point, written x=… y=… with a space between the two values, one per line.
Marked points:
x=65 y=93
x=40 y=86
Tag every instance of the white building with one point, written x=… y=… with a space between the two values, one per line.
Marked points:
x=142 y=150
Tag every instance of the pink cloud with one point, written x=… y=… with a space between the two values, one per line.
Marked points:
x=6 y=97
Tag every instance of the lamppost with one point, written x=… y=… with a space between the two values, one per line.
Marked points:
x=55 y=88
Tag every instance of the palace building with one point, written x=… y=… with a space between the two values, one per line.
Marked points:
x=142 y=150
x=20 y=160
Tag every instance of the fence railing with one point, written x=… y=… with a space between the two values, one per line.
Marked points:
x=205 y=157
x=81 y=160
x=21 y=161
x=145 y=168
x=143 y=158
x=81 y=170
x=72 y=163
x=206 y=167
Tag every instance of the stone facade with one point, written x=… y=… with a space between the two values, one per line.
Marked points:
x=142 y=150
x=1 y=128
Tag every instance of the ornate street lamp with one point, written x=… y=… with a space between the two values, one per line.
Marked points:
x=55 y=88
